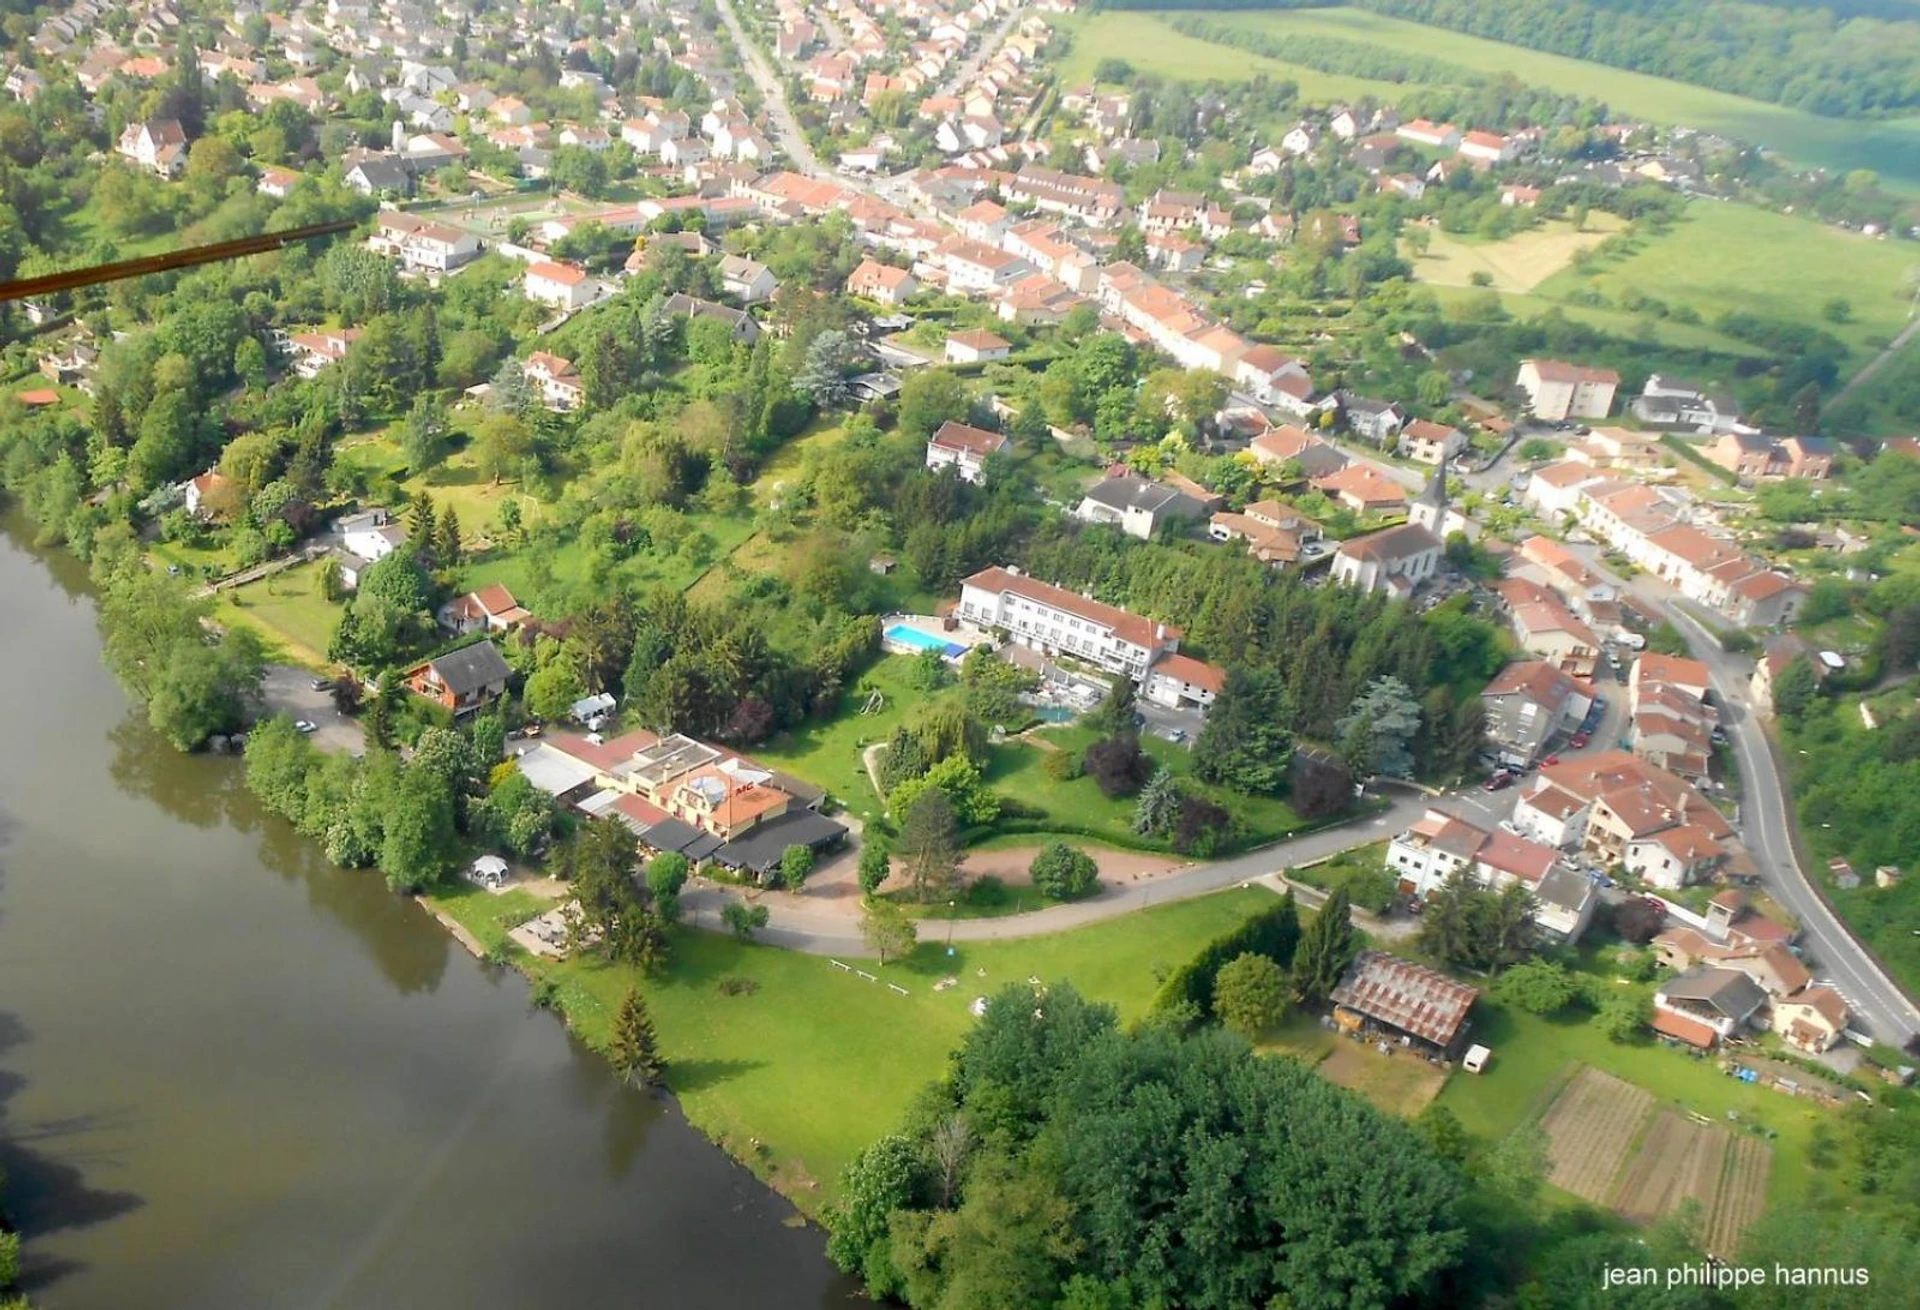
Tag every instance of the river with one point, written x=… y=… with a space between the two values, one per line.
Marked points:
x=232 y=1075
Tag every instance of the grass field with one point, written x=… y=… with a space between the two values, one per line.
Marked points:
x=815 y=1063
x=1891 y=149
x=1534 y=1058
x=1723 y=256
x=1618 y=322
x=1518 y=263
x=790 y=459
x=1400 y=1084
x=1152 y=47
x=287 y=609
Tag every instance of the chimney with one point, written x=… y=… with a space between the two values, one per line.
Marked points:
x=1160 y=632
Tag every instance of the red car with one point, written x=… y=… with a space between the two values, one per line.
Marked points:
x=1551 y=759
x=1579 y=739
x=1500 y=780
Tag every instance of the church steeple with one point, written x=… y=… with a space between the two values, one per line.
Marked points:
x=1430 y=510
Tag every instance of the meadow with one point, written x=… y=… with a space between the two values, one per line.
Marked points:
x=1152 y=47
x=1722 y=256
x=1890 y=148
x=1516 y=264
x=797 y=1064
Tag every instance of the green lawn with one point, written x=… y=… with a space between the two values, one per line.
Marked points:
x=1017 y=770
x=828 y=754
x=1152 y=47
x=816 y=1062
x=1516 y=264
x=1891 y=148
x=788 y=462
x=1724 y=256
x=288 y=609
x=1617 y=322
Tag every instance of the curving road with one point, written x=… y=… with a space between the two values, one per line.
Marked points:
x=822 y=932
x=1880 y=1007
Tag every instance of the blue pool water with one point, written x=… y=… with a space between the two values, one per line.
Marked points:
x=919 y=640
x=1056 y=714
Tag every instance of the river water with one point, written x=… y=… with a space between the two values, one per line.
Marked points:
x=232 y=1075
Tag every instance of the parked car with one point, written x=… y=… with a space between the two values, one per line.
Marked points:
x=1578 y=740
x=303 y=726
x=1551 y=759
x=1500 y=780
x=322 y=684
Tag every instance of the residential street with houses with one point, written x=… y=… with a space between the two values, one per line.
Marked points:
x=1882 y=1010
x=1879 y=1005
x=792 y=140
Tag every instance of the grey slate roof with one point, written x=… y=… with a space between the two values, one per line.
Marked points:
x=470 y=668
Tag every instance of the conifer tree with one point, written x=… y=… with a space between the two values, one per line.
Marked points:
x=636 y=1051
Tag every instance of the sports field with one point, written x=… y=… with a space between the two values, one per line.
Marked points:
x=1516 y=264
x=1890 y=148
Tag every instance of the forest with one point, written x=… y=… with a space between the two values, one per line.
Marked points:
x=1843 y=61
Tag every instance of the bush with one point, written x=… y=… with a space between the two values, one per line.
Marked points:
x=1118 y=765
x=743 y=919
x=1063 y=766
x=1202 y=828
x=1250 y=994
x=987 y=893
x=1538 y=987
x=1639 y=920
x=1188 y=990
x=1064 y=873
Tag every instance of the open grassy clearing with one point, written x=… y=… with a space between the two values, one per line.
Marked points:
x=1722 y=256
x=788 y=462
x=1401 y=1083
x=288 y=610
x=1152 y=47
x=1518 y=263
x=813 y=1063
x=1617 y=322
x=1891 y=148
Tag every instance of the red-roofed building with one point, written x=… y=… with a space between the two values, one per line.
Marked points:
x=1181 y=682
x=964 y=447
x=881 y=282
x=1384 y=992
x=1056 y=621
x=563 y=286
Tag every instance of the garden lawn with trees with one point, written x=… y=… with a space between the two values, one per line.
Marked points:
x=746 y=1052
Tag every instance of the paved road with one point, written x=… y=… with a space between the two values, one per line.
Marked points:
x=822 y=932
x=289 y=690
x=785 y=127
x=1875 y=364
x=1879 y=1006
x=970 y=67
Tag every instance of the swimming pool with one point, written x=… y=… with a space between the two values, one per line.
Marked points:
x=902 y=635
x=1056 y=714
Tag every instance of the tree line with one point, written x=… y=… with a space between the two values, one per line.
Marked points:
x=1840 y=62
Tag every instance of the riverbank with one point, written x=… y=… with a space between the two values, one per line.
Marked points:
x=232 y=1074
x=792 y=1063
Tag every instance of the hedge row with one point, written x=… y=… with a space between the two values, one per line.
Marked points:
x=1273 y=933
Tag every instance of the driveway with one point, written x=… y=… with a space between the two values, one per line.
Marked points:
x=289 y=690
x=821 y=931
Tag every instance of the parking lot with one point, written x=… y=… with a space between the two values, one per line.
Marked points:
x=1181 y=726
x=288 y=690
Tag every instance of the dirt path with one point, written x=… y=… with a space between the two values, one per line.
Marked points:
x=1009 y=865
x=1879 y=361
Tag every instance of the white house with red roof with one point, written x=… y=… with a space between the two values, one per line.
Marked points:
x=965 y=447
x=1440 y=845
x=1180 y=682
x=881 y=283
x=559 y=284
x=490 y=609
x=1057 y=621
x=559 y=386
